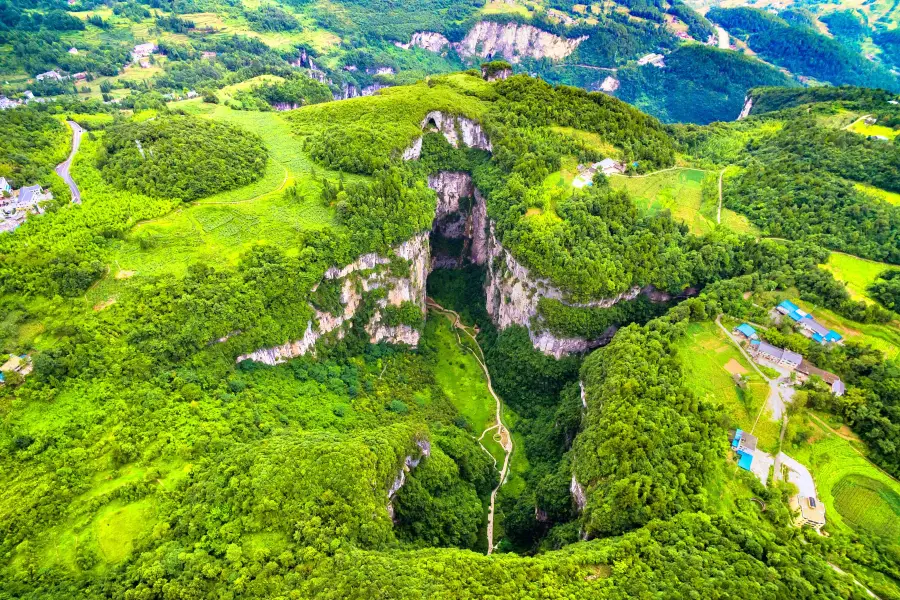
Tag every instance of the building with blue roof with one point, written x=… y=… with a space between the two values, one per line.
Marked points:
x=745 y=460
x=747 y=331
x=813 y=328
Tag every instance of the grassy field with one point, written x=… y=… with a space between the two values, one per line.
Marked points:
x=891 y=197
x=678 y=191
x=460 y=376
x=856 y=494
x=590 y=140
x=707 y=356
x=218 y=229
x=869 y=130
x=857 y=273
x=228 y=92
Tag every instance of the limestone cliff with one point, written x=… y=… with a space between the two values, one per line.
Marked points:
x=515 y=41
x=512 y=296
x=489 y=39
x=428 y=40
x=368 y=272
x=455 y=129
x=461 y=214
x=410 y=462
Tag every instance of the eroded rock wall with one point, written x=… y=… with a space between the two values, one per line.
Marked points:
x=515 y=41
x=363 y=275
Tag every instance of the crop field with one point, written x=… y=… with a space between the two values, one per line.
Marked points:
x=885 y=338
x=891 y=197
x=869 y=504
x=870 y=130
x=857 y=273
x=460 y=376
x=677 y=190
x=856 y=494
x=709 y=360
x=218 y=229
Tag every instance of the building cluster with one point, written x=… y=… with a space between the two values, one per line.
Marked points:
x=803 y=369
x=808 y=325
x=607 y=166
x=16 y=364
x=657 y=60
x=141 y=54
x=15 y=205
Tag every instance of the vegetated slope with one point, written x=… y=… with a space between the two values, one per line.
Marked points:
x=181 y=157
x=699 y=84
x=31 y=145
x=802 y=50
x=266 y=481
x=649 y=445
x=852 y=98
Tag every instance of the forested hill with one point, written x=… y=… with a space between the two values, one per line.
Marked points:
x=234 y=370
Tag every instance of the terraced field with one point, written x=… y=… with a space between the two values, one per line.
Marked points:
x=869 y=505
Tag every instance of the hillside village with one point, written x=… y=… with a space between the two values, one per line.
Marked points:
x=17 y=204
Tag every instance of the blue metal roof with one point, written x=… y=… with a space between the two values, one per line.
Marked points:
x=737 y=438
x=789 y=306
x=745 y=461
x=746 y=330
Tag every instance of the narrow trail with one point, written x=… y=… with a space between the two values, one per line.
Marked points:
x=719 y=211
x=62 y=169
x=501 y=434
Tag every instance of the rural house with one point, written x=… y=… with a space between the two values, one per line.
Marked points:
x=807 y=370
x=808 y=326
x=744 y=445
x=775 y=355
x=49 y=75
x=812 y=512
x=747 y=331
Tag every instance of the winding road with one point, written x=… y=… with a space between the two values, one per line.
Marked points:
x=62 y=169
x=501 y=434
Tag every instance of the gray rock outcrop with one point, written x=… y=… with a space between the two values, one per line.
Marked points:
x=364 y=274
x=427 y=40
x=409 y=463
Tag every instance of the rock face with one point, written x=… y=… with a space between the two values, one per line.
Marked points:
x=578 y=494
x=365 y=274
x=351 y=91
x=411 y=462
x=513 y=295
x=428 y=40
x=461 y=214
x=514 y=41
x=496 y=75
x=745 y=111
x=458 y=128
x=488 y=39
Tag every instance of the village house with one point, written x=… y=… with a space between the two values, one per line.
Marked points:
x=811 y=511
x=657 y=60
x=611 y=167
x=746 y=331
x=5 y=189
x=806 y=370
x=208 y=55
x=744 y=445
x=775 y=355
x=73 y=50
x=143 y=51
x=808 y=326
x=7 y=103
x=16 y=364
x=49 y=75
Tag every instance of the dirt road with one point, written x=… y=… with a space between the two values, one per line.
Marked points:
x=62 y=169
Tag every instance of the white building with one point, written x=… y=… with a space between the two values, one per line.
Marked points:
x=4 y=186
x=73 y=50
x=49 y=75
x=143 y=50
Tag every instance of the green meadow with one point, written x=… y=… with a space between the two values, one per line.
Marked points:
x=709 y=359
x=857 y=273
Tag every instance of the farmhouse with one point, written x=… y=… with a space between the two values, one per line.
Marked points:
x=811 y=511
x=747 y=331
x=143 y=51
x=611 y=167
x=73 y=50
x=807 y=370
x=4 y=187
x=16 y=364
x=657 y=60
x=744 y=445
x=775 y=355
x=49 y=75
x=808 y=326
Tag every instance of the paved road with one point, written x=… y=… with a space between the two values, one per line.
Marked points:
x=776 y=400
x=797 y=474
x=63 y=168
